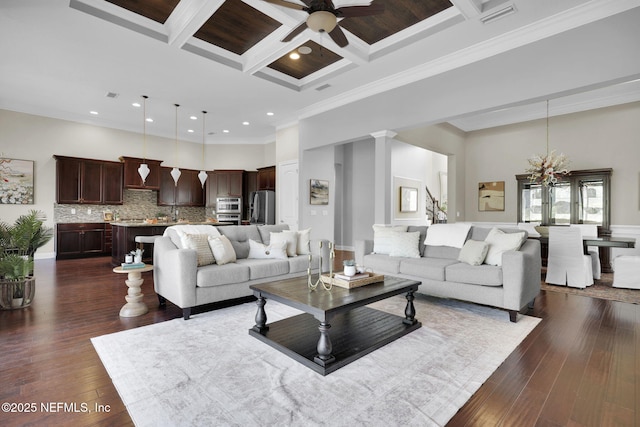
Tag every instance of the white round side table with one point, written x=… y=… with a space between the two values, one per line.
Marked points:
x=134 y=306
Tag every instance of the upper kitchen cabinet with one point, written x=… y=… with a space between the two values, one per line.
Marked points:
x=86 y=181
x=132 y=178
x=188 y=192
x=267 y=178
x=225 y=183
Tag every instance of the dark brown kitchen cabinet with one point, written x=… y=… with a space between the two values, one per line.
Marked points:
x=87 y=181
x=188 y=192
x=229 y=183
x=132 y=178
x=124 y=241
x=267 y=178
x=80 y=240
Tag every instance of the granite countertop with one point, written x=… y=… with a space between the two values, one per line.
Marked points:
x=126 y=223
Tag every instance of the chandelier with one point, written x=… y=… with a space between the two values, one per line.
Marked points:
x=549 y=168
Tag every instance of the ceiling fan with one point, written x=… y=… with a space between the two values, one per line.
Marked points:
x=323 y=17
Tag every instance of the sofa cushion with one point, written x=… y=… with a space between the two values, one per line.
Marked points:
x=175 y=232
x=300 y=263
x=304 y=239
x=239 y=236
x=273 y=251
x=473 y=252
x=487 y=275
x=200 y=243
x=216 y=275
x=266 y=230
x=428 y=268
x=445 y=252
x=500 y=242
x=290 y=239
x=405 y=244
x=222 y=250
x=453 y=235
x=263 y=268
x=380 y=262
x=382 y=237
x=423 y=234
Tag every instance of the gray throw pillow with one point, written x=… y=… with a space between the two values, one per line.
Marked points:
x=473 y=252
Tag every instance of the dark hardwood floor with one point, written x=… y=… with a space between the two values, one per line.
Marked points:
x=579 y=367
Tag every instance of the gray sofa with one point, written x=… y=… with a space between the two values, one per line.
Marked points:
x=179 y=279
x=511 y=286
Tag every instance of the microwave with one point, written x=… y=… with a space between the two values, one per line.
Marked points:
x=229 y=205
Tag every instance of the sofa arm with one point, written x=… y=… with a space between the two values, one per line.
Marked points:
x=363 y=247
x=174 y=272
x=521 y=274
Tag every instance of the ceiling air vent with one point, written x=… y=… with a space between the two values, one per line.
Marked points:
x=323 y=87
x=498 y=13
x=111 y=95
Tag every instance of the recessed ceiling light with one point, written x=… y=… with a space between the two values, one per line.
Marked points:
x=304 y=50
x=149 y=119
x=226 y=131
x=95 y=113
x=269 y=113
x=190 y=130
x=245 y=123
x=136 y=104
x=193 y=118
x=294 y=55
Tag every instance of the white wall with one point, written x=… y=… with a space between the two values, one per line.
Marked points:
x=37 y=138
x=602 y=138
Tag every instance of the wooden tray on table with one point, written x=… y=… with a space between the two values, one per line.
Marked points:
x=360 y=279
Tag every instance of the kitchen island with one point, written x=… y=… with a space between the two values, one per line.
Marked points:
x=125 y=232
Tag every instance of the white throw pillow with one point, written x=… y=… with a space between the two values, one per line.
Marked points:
x=304 y=237
x=405 y=244
x=474 y=252
x=500 y=242
x=276 y=250
x=447 y=234
x=222 y=249
x=200 y=243
x=382 y=235
x=175 y=232
x=288 y=236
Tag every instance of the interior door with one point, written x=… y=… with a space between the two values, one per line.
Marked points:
x=287 y=193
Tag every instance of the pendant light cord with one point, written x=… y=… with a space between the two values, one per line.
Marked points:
x=547 y=128
x=144 y=128
x=177 y=105
x=203 y=119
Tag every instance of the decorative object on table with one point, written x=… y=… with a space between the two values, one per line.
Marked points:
x=349 y=267
x=543 y=230
x=137 y=256
x=144 y=170
x=491 y=196
x=313 y=285
x=16 y=182
x=349 y=282
x=318 y=192
x=408 y=199
x=549 y=168
x=18 y=244
x=327 y=285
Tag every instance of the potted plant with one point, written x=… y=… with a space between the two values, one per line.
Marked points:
x=18 y=244
x=349 y=267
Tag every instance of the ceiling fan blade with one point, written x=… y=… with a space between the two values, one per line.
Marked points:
x=286 y=4
x=338 y=36
x=300 y=28
x=354 y=11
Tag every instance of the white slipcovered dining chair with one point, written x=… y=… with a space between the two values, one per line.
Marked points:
x=626 y=272
x=591 y=230
x=567 y=264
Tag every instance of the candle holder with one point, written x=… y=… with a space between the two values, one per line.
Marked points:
x=313 y=285
x=332 y=256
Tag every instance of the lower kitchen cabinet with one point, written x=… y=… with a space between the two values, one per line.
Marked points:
x=124 y=241
x=79 y=240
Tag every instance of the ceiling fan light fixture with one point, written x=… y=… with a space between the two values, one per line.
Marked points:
x=322 y=21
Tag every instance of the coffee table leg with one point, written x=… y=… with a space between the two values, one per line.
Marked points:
x=324 y=347
x=261 y=316
x=410 y=311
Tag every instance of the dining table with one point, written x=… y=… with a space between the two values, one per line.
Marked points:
x=603 y=243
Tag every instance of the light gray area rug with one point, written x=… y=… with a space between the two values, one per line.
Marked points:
x=208 y=371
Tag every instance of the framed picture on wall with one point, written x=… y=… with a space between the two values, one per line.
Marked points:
x=491 y=196
x=318 y=192
x=16 y=182
x=408 y=199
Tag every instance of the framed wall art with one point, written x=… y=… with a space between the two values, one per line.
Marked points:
x=16 y=182
x=318 y=192
x=408 y=199
x=491 y=196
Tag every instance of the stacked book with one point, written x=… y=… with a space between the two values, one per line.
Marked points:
x=132 y=265
x=350 y=278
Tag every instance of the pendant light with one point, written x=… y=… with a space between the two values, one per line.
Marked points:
x=202 y=176
x=143 y=170
x=175 y=172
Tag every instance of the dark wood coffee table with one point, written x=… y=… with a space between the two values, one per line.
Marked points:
x=336 y=328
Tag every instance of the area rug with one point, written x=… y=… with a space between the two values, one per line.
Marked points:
x=602 y=288
x=209 y=371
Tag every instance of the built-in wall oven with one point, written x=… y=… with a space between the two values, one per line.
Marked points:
x=229 y=209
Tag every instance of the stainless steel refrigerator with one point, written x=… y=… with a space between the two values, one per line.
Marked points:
x=262 y=205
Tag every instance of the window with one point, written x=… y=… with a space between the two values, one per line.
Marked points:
x=582 y=197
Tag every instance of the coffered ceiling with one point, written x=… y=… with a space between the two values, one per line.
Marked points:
x=65 y=58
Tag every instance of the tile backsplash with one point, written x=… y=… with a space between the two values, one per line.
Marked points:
x=138 y=204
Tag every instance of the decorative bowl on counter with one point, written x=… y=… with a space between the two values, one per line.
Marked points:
x=543 y=230
x=151 y=220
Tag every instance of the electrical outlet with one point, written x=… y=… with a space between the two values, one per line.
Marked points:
x=73 y=211
x=88 y=211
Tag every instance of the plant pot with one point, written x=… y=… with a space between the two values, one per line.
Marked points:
x=17 y=293
x=349 y=270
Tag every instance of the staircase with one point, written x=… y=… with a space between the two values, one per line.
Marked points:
x=433 y=210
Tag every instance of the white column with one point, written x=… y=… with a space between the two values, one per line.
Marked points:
x=382 y=169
